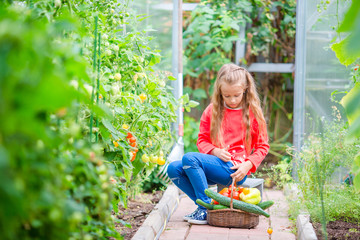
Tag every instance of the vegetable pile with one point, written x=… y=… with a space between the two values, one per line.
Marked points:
x=245 y=199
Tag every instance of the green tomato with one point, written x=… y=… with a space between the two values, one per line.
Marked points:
x=153 y=158
x=108 y=52
x=117 y=77
x=145 y=158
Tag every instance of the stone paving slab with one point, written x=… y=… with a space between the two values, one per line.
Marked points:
x=177 y=229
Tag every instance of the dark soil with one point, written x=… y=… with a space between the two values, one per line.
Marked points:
x=339 y=230
x=136 y=213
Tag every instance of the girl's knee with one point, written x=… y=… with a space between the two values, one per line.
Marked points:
x=189 y=159
x=173 y=169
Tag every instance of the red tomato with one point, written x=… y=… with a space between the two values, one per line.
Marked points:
x=229 y=191
x=240 y=189
x=133 y=144
x=132 y=139
x=236 y=195
x=129 y=135
x=133 y=155
x=215 y=202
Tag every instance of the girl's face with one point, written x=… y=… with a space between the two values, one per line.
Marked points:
x=232 y=94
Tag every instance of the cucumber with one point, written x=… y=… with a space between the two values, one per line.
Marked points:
x=265 y=205
x=247 y=207
x=210 y=206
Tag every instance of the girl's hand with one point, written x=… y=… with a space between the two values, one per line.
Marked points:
x=242 y=170
x=223 y=154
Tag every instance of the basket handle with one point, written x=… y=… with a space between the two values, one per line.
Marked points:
x=232 y=192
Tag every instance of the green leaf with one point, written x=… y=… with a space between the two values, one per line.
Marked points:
x=126 y=224
x=351 y=103
x=199 y=93
x=138 y=165
x=235 y=26
x=119 y=110
x=115 y=206
x=185 y=98
x=356 y=171
x=171 y=78
x=108 y=125
x=193 y=104
x=107 y=88
x=351 y=17
x=151 y=86
x=154 y=59
x=227 y=46
x=354 y=130
x=347 y=51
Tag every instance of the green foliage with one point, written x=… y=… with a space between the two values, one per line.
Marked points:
x=125 y=71
x=153 y=182
x=76 y=78
x=265 y=36
x=321 y=156
x=351 y=104
x=210 y=37
x=53 y=183
x=347 y=51
x=341 y=203
x=280 y=173
x=191 y=131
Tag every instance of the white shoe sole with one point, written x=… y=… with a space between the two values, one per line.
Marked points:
x=198 y=222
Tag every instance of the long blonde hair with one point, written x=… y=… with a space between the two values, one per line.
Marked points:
x=232 y=74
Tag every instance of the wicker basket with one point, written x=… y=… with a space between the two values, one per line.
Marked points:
x=231 y=217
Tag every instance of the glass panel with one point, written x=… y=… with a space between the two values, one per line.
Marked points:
x=323 y=72
x=159 y=19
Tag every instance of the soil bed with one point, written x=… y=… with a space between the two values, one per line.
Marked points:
x=136 y=213
x=338 y=230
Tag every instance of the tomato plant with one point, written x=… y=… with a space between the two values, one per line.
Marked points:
x=55 y=184
x=82 y=101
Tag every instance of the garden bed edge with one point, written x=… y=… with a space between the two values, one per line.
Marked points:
x=305 y=230
x=159 y=216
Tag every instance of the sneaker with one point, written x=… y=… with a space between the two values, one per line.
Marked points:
x=199 y=218
x=191 y=215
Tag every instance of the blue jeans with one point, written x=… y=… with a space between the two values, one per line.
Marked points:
x=196 y=171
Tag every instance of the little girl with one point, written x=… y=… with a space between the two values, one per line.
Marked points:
x=232 y=140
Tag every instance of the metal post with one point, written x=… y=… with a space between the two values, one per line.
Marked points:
x=299 y=86
x=240 y=45
x=177 y=65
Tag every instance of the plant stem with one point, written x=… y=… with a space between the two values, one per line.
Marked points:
x=321 y=184
x=93 y=85
x=98 y=84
